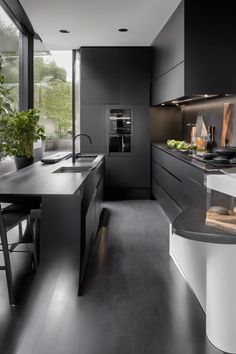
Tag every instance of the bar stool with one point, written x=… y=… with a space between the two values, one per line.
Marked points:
x=10 y=217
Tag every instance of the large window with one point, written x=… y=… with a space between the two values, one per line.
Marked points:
x=9 y=54
x=53 y=94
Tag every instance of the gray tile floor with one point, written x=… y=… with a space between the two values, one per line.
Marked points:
x=135 y=300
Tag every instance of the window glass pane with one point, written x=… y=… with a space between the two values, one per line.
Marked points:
x=9 y=55
x=53 y=95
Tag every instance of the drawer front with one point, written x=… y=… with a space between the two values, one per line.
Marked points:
x=170 y=163
x=171 y=209
x=169 y=182
x=194 y=190
x=194 y=173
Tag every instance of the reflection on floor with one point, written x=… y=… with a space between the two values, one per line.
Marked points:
x=135 y=300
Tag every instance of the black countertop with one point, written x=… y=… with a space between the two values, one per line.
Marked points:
x=187 y=158
x=190 y=224
x=38 y=180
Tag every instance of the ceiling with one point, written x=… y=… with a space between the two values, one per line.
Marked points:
x=96 y=22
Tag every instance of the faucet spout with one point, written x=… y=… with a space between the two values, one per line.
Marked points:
x=73 y=144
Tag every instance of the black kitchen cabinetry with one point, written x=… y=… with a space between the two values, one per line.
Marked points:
x=91 y=207
x=194 y=53
x=117 y=77
x=176 y=184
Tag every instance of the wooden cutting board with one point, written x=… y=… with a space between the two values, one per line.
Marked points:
x=226 y=124
x=223 y=222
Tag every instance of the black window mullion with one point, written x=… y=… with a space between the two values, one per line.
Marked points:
x=26 y=87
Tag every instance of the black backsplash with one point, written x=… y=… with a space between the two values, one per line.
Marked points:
x=212 y=112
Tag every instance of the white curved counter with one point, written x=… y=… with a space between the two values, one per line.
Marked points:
x=208 y=263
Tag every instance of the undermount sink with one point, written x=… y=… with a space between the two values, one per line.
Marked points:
x=73 y=169
x=85 y=158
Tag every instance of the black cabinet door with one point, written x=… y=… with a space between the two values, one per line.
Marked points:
x=100 y=91
x=168 y=47
x=172 y=164
x=119 y=172
x=141 y=172
x=168 y=182
x=141 y=143
x=99 y=63
x=183 y=182
x=134 y=92
x=135 y=63
x=128 y=172
x=93 y=124
x=169 y=86
x=168 y=204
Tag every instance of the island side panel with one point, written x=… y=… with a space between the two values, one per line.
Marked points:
x=60 y=235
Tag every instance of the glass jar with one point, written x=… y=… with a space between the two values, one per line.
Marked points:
x=201 y=144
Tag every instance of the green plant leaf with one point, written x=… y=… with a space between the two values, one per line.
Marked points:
x=20 y=131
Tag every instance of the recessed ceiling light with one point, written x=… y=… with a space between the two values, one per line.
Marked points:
x=64 y=31
x=163 y=104
x=123 y=30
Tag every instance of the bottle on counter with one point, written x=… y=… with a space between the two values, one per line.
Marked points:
x=201 y=145
x=210 y=139
x=193 y=138
x=208 y=143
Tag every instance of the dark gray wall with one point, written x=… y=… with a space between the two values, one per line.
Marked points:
x=117 y=76
x=165 y=123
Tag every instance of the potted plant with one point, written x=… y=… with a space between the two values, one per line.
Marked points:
x=20 y=131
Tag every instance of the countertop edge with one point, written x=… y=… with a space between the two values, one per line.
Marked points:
x=22 y=183
x=185 y=158
x=190 y=224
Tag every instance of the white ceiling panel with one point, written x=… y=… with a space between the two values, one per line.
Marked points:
x=96 y=22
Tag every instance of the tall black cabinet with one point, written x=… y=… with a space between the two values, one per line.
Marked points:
x=114 y=78
x=194 y=53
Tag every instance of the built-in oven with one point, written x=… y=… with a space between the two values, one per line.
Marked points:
x=120 y=130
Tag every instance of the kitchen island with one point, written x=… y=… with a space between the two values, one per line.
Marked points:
x=70 y=202
x=205 y=255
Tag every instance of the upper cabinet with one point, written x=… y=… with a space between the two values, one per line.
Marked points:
x=115 y=75
x=194 y=52
x=168 y=46
x=99 y=64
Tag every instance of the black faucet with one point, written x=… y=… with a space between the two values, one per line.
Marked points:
x=73 y=145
